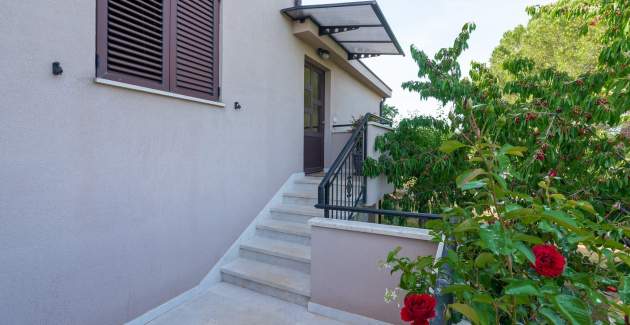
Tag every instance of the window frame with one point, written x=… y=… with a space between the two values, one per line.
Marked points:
x=169 y=48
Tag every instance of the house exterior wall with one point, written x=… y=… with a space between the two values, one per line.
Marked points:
x=350 y=101
x=113 y=201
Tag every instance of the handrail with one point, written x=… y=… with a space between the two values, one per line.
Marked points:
x=340 y=182
x=349 y=170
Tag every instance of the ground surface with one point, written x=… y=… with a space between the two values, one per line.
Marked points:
x=228 y=304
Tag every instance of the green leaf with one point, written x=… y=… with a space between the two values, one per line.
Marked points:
x=494 y=239
x=485 y=312
x=408 y=281
x=450 y=146
x=467 y=225
x=467 y=311
x=522 y=288
x=521 y=213
x=562 y=219
x=508 y=149
x=473 y=185
x=392 y=254
x=527 y=238
x=501 y=181
x=483 y=298
x=624 y=257
x=558 y=197
x=624 y=290
x=525 y=251
x=586 y=206
x=484 y=259
x=551 y=316
x=468 y=176
x=457 y=288
x=572 y=309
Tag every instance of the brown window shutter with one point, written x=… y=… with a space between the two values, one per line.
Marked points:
x=194 y=48
x=131 y=39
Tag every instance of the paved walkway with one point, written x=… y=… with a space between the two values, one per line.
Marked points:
x=229 y=304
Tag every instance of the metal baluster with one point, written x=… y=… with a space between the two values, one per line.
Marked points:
x=344 y=214
x=349 y=186
x=337 y=192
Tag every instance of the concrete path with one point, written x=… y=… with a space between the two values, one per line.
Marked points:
x=228 y=304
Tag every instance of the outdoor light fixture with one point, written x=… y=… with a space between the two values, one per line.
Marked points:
x=237 y=105
x=56 y=69
x=324 y=54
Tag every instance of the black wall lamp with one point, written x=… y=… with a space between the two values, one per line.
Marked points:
x=56 y=68
x=324 y=54
x=237 y=106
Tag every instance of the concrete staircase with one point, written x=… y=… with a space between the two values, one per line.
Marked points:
x=277 y=260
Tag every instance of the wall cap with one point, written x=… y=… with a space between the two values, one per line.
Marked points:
x=372 y=228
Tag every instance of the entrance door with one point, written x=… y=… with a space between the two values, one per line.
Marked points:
x=313 y=119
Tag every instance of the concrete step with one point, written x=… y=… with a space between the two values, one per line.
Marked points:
x=307 y=184
x=310 y=185
x=280 y=282
x=289 y=231
x=300 y=198
x=295 y=213
x=278 y=252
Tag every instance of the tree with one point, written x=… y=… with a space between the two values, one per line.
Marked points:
x=564 y=130
x=389 y=111
x=551 y=42
x=525 y=244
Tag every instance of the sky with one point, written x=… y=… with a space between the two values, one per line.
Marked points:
x=433 y=24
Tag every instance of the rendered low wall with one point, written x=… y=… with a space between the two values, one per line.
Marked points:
x=345 y=276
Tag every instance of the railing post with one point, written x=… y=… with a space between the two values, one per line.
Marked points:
x=327 y=201
x=365 y=139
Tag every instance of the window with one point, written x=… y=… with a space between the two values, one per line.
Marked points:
x=170 y=45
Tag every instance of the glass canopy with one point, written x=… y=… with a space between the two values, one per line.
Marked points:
x=359 y=27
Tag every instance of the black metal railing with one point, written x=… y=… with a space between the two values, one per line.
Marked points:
x=344 y=185
x=342 y=192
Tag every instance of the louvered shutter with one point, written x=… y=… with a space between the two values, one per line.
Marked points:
x=132 y=35
x=194 y=48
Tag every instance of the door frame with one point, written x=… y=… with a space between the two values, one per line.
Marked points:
x=322 y=114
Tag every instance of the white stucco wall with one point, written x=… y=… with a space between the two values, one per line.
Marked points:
x=351 y=100
x=113 y=201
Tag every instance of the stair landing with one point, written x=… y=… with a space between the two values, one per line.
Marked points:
x=224 y=303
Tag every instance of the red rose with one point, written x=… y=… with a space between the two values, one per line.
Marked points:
x=540 y=155
x=549 y=262
x=418 y=309
x=553 y=173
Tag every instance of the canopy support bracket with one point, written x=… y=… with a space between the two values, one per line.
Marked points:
x=356 y=56
x=329 y=30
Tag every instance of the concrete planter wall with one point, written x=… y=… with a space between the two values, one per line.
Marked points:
x=377 y=187
x=346 y=281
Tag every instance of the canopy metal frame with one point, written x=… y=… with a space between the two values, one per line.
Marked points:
x=300 y=13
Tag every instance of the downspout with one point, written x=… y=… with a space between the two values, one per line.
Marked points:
x=297 y=3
